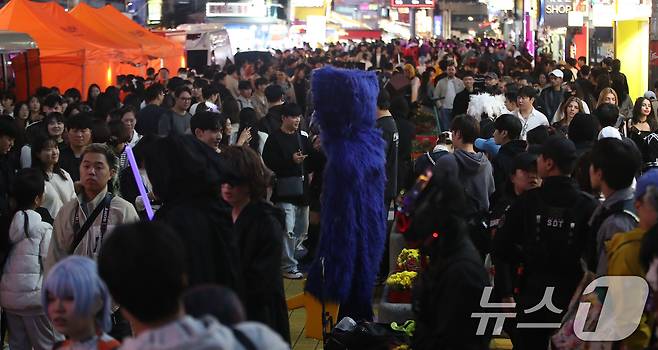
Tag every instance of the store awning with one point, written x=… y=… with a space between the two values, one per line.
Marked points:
x=359 y=34
x=346 y=22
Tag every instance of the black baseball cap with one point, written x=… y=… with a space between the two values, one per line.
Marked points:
x=558 y=148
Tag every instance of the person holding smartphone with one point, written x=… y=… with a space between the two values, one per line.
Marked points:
x=285 y=153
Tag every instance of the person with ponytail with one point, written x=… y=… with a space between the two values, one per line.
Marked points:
x=22 y=277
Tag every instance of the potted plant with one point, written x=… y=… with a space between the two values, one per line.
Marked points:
x=409 y=260
x=399 y=286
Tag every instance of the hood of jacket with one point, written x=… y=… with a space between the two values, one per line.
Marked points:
x=204 y=334
x=469 y=162
x=186 y=333
x=180 y=166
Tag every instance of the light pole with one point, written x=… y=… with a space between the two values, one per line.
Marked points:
x=412 y=22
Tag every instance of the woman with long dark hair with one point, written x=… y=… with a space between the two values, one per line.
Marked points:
x=426 y=92
x=249 y=122
x=21 y=118
x=34 y=105
x=52 y=127
x=21 y=114
x=92 y=94
x=59 y=185
x=641 y=125
x=258 y=227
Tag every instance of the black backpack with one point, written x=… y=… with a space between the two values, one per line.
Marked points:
x=366 y=336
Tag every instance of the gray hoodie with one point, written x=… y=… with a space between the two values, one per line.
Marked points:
x=475 y=172
x=188 y=333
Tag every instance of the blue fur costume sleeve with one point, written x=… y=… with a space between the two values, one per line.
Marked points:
x=353 y=219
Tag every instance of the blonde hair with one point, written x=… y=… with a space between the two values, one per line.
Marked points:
x=604 y=93
x=409 y=71
x=562 y=115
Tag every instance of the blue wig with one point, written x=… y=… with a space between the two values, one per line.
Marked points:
x=353 y=219
x=77 y=277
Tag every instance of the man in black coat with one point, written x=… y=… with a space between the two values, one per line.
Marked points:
x=507 y=129
x=186 y=175
x=460 y=105
x=546 y=230
x=407 y=131
x=148 y=117
x=271 y=122
x=259 y=229
x=386 y=123
x=550 y=98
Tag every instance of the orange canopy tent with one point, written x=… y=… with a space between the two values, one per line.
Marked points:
x=126 y=52
x=101 y=22
x=126 y=56
x=161 y=52
x=71 y=54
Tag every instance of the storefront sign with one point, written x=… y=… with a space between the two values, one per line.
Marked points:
x=236 y=9
x=154 y=11
x=438 y=25
x=556 y=13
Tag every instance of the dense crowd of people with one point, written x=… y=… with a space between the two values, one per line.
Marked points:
x=542 y=169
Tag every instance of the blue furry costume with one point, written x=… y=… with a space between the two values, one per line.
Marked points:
x=353 y=221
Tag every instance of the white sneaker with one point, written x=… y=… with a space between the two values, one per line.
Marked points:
x=293 y=275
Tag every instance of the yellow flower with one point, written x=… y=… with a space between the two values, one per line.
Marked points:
x=407 y=255
x=401 y=280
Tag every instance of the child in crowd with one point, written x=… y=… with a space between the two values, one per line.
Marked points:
x=20 y=287
x=78 y=304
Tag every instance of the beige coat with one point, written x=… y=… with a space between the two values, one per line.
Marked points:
x=121 y=212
